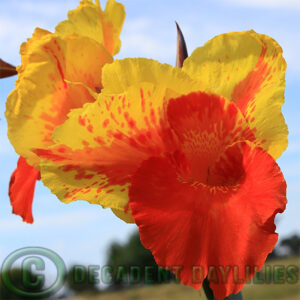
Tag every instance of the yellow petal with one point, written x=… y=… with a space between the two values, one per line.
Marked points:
x=120 y=75
x=91 y=21
x=247 y=68
x=42 y=98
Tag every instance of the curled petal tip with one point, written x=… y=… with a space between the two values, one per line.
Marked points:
x=7 y=69
x=182 y=53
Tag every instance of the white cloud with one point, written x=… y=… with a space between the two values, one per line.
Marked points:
x=289 y=4
x=44 y=8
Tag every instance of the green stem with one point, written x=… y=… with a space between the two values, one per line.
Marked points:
x=207 y=290
x=210 y=295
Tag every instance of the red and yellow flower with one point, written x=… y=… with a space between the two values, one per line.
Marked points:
x=188 y=153
x=58 y=71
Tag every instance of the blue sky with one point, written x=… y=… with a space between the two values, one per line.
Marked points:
x=81 y=232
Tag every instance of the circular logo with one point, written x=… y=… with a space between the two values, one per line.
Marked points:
x=33 y=257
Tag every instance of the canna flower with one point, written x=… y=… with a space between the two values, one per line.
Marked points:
x=58 y=71
x=188 y=153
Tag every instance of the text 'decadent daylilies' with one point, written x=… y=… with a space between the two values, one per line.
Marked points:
x=56 y=73
x=188 y=153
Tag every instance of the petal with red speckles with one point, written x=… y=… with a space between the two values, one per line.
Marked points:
x=247 y=68
x=100 y=147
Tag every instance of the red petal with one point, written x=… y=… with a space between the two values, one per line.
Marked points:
x=21 y=189
x=188 y=224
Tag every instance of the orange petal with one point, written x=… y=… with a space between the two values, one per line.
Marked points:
x=21 y=189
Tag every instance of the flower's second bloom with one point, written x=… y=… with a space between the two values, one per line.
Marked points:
x=58 y=71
